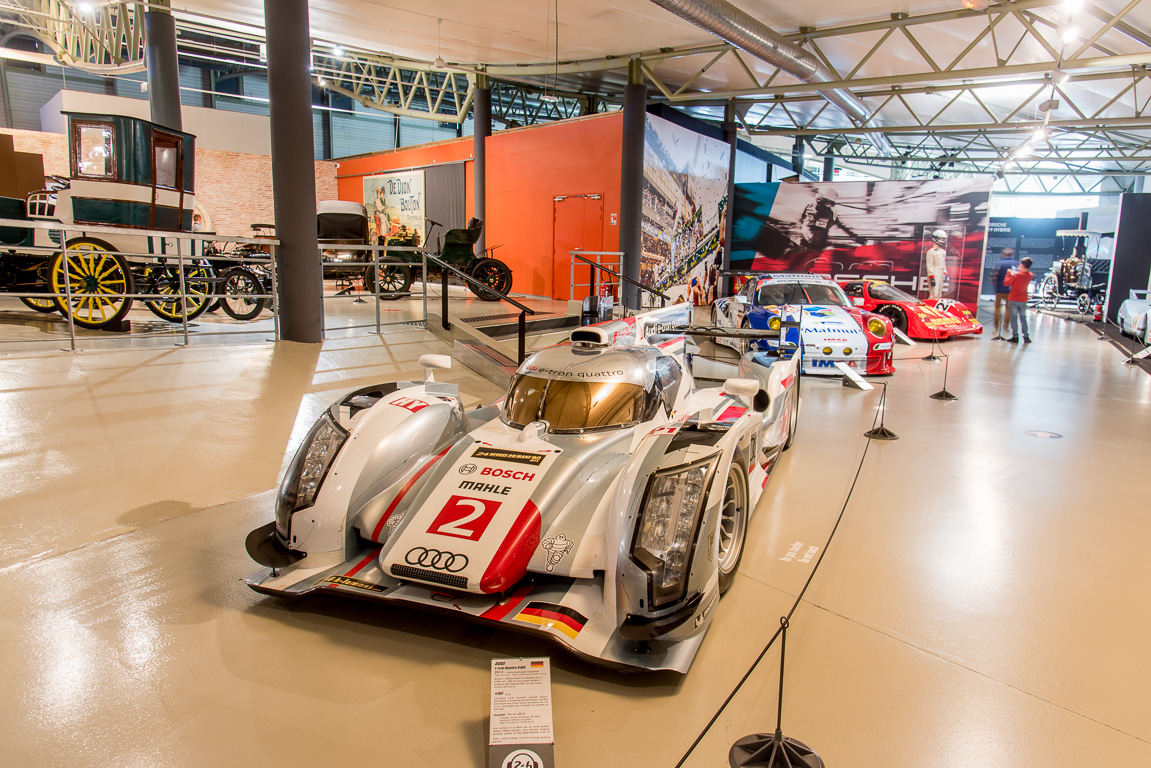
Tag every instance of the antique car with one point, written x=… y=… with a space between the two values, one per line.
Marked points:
x=602 y=503
x=1081 y=277
x=397 y=268
x=833 y=331
x=125 y=173
x=1133 y=314
x=936 y=319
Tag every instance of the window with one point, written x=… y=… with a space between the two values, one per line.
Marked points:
x=572 y=406
x=166 y=160
x=775 y=294
x=93 y=145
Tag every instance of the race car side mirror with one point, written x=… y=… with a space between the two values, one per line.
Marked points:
x=739 y=298
x=745 y=388
x=430 y=362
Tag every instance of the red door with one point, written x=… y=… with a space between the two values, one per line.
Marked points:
x=578 y=225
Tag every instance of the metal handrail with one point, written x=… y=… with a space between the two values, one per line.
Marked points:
x=664 y=298
x=445 y=268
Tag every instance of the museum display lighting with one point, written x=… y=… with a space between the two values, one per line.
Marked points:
x=663 y=540
x=976 y=5
x=1069 y=33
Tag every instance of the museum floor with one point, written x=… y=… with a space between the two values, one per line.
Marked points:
x=984 y=601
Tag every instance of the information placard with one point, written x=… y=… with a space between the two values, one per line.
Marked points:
x=521 y=733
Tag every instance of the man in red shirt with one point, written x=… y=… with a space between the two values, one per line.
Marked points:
x=1018 y=280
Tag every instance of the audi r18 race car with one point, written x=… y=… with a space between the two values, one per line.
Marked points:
x=936 y=319
x=602 y=503
x=832 y=329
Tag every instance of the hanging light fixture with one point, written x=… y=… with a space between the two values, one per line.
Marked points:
x=439 y=63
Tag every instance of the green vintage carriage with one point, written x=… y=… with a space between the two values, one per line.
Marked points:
x=126 y=173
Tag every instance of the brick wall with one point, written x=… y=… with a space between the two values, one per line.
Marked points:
x=233 y=189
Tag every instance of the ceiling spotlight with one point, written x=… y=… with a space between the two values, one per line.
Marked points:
x=1049 y=105
x=337 y=51
x=549 y=97
x=1069 y=33
x=323 y=82
x=84 y=8
x=976 y=5
x=1039 y=135
x=1071 y=6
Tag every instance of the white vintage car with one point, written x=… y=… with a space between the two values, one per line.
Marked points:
x=1133 y=316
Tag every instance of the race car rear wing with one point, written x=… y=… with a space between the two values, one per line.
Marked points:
x=715 y=332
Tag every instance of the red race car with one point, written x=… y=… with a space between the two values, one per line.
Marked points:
x=932 y=319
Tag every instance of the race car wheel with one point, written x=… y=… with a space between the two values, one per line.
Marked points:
x=793 y=418
x=896 y=315
x=1049 y=292
x=238 y=285
x=494 y=274
x=394 y=278
x=165 y=281
x=1083 y=303
x=732 y=524
x=92 y=270
x=40 y=305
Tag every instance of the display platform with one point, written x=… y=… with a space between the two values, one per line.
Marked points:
x=951 y=602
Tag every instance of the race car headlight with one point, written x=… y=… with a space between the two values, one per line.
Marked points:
x=773 y=324
x=876 y=326
x=666 y=531
x=309 y=467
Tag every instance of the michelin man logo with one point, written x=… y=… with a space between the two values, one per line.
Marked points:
x=557 y=546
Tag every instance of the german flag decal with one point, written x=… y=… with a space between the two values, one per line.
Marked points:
x=554 y=617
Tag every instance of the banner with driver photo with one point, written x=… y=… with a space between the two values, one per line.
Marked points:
x=925 y=237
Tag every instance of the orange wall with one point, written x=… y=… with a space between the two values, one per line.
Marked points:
x=527 y=169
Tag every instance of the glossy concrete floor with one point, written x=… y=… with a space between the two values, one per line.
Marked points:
x=984 y=601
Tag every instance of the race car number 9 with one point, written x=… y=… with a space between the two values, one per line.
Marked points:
x=464 y=518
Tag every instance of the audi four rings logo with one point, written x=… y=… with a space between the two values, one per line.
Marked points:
x=434 y=558
x=467 y=469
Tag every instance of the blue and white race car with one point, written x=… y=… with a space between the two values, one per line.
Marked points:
x=833 y=329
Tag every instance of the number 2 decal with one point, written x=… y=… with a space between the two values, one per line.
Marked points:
x=464 y=517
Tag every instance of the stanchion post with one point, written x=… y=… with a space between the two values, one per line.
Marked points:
x=183 y=290
x=273 y=265
x=523 y=335
x=424 y=280
x=376 y=282
x=67 y=288
x=932 y=357
x=881 y=432
x=444 y=300
x=943 y=394
x=774 y=750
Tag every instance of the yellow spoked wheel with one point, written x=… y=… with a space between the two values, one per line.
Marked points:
x=40 y=305
x=98 y=281
x=165 y=280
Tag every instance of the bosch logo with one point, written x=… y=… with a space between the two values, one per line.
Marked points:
x=436 y=559
x=467 y=469
x=510 y=474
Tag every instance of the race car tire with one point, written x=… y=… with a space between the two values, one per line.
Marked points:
x=732 y=523
x=93 y=270
x=41 y=305
x=793 y=419
x=395 y=277
x=494 y=274
x=237 y=284
x=1049 y=292
x=896 y=315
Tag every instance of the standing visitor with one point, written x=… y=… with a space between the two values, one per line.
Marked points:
x=1018 y=280
x=1002 y=291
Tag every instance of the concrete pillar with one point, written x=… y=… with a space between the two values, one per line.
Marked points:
x=163 y=68
x=829 y=168
x=731 y=133
x=300 y=284
x=631 y=180
x=481 y=129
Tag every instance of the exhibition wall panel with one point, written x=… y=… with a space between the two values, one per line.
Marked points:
x=528 y=168
x=1131 y=264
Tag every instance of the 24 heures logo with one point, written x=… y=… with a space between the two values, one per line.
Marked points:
x=501 y=454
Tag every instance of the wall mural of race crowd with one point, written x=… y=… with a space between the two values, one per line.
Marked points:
x=925 y=237
x=684 y=206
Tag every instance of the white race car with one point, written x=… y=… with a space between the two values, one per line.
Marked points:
x=603 y=503
x=1133 y=315
x=833 y=330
